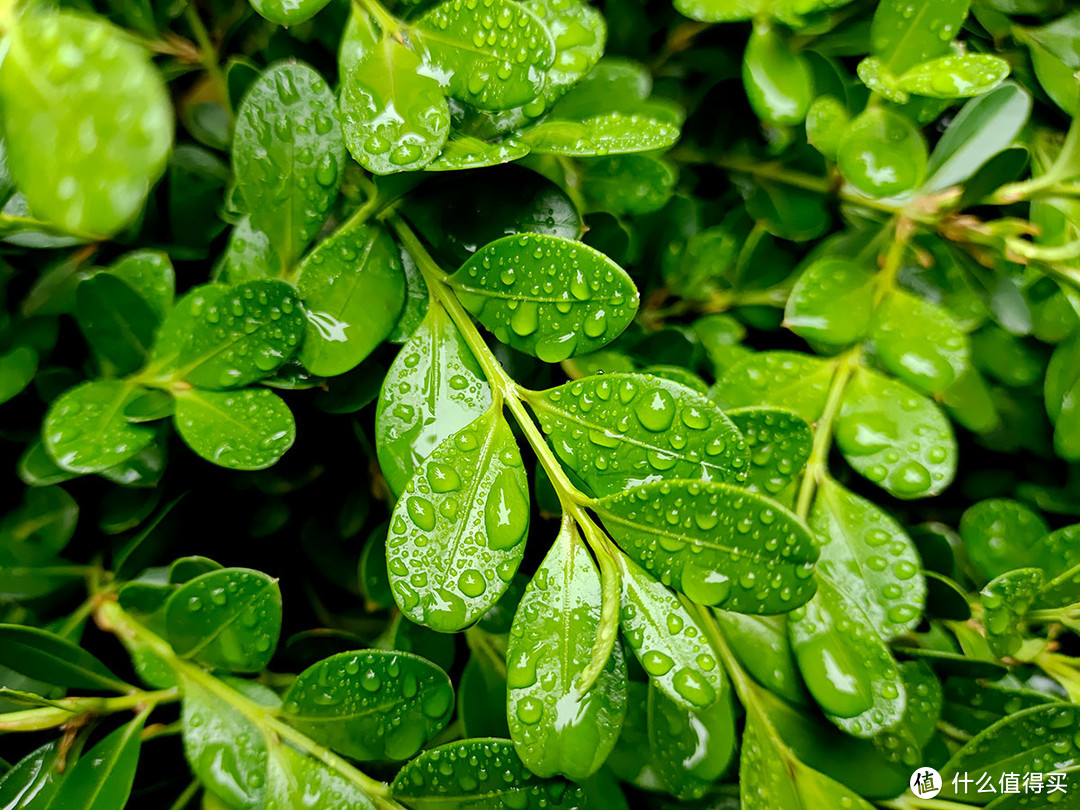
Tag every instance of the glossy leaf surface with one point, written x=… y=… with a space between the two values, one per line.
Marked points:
x=102 y=779
x=718 y=544
x=778 y=442
x=510 y=286
x=338 y=283
x=831 y=303
x=243 y=430
x=85 y=430
x=370 y=704
x=456 y=535
x=48 y=657
x=555 y=728
x=620 y=430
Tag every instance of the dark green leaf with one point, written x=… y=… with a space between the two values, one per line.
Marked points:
x=47 y=657
x=243 y=430
x=102 y=779
x=85 y=430
x=116 y=320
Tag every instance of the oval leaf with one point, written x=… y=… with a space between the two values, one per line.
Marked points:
x=85 y=430
x=718 y=544
x=548 y=296
x=242 y=430
x=619 y=430
x=779 y=443
x=457 y=533
x=555 y=728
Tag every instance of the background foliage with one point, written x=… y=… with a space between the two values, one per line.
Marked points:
x=785 y=510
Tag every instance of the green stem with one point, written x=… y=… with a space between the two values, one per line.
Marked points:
x=390 y=24
x=72 y=707
x=817 y=466
x=111 y=617
x=507 y=391
x=184 y=799
x=208 y=55
x=1063 y=169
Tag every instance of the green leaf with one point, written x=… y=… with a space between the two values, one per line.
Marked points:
x=116 y=320
x=370 y=704
x=763 y=647
x=668 y=641
x=1000 y=535
x=433 y=389
x=555 y=728
x=831 y=303
x=288 y=12
x=789 y=380
x=777 y=79
x=619 y=430
x=506 y=284
x=629 y=184
x=883 y=154
x=242 y=430
x=340 y=282
x=779 y=443
x=985 y=126
x=770 y=777
x=868 y=556
x=1006 y=601
x=225 y=750
x=479 y=774
x=846 y=664
x=150 y=406
x=962 y=76
x=718 y=544
x=85 y=430
x=248 y=255
x=32 y=782
x=298 y=782
x=47 y=657
x=1041 y=739
x=579 y=33
x=228 y=619
x=507 y=69
x=613 y=133
x=102 y=779
x=1059 y=38
x=456 y=535
x=691 y=748
x=905 y=34
x=288 y=156
x=897 y=438
x=79 y=89
x=394 y=117
x=826 y=122
x=40 y=528
x=919 y=342
x=17 y=369
x=222 y=337
x=481 y=696
x=466 y=152
x=150 y=273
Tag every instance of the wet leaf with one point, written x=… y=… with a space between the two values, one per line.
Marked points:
x=288 y=12
x=612 y=133
x=717 y=543
x=970 y=74
x=227 y=619
x=242 y=430
x=102 y=779
x=883 y=154
x=82 y=110
x=85 y=430
x=288 y=156
x=1001 y=534
x=846 y=664
x=777 y=79
x=32 y=782
x=466 y=152
x=150 y=273
x=897 y=438
x=619 y=430
x=40 y=528
x=868 y=556
x=479 y=774
x=1006 y=601
x=370 y=704
x=222 y=337
x=456 y=535
x=788 y=380
x=47 y=657
x=555 y=728
x=339 y=283
x=629 y=184
x=905 y=34
x=919 y=342
x=505 y=285
x=296 y=782
x=831 y=303
x=691 y=748
x=762 y=645
x=394 y=117
x=506 y=70
x=668 y=642
x=433 y=389
x=117 y=321
x=778 y=442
